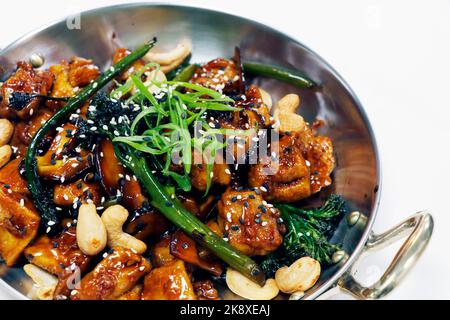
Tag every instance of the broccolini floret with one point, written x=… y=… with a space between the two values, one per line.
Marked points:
x=308 y=233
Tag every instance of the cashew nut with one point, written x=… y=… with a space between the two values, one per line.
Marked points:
x=114 y=217
x=299 y=276
x=44 y=282
x=91 y=232
x=171 y=59
x=154 y=75
x=6 y=131
x=244 y=287
x=266 y=98
x=5 y=154
x=285 y=114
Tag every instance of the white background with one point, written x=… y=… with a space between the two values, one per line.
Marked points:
x=396 y=57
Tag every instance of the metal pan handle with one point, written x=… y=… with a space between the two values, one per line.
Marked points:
x=421 y=224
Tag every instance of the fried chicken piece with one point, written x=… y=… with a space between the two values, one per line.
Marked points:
x=61 y=86
x=220 y=173
x=169 y=282
x=300 y=167
x=219 y=74
x=320 y=155
x=284 y=178
x=24 y=80
x=57 y=253
x=117 y=273
x=25 y=130
x=10 y=176
x=19 y=223
x=19 y=140
x=60 y=256
x=66 y=194
x=82 y=72
x=204 y=290
x=250 y=224
x=35 y=123
x=133 y=294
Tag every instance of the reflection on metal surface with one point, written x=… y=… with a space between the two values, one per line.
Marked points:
x=297 y=295
x=339 y=257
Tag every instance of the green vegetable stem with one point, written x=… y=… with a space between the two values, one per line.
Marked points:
x=280 y=73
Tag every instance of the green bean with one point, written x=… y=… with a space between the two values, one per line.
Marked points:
x=186 y=74
x=280 y=73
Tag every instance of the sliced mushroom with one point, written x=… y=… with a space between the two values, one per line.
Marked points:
x=10 y=175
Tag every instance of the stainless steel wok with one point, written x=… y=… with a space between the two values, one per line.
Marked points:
x=215 y=34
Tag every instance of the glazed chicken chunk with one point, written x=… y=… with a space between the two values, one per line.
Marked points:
x=117 y=273
x=300 y=167
x=219 y=74
x=60 y=256
x=24 y=80
x=169 y=282
x=250 y=224
x=220 y=172
x=19 y=223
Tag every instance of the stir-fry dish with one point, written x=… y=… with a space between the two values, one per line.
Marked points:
x=162 y=179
